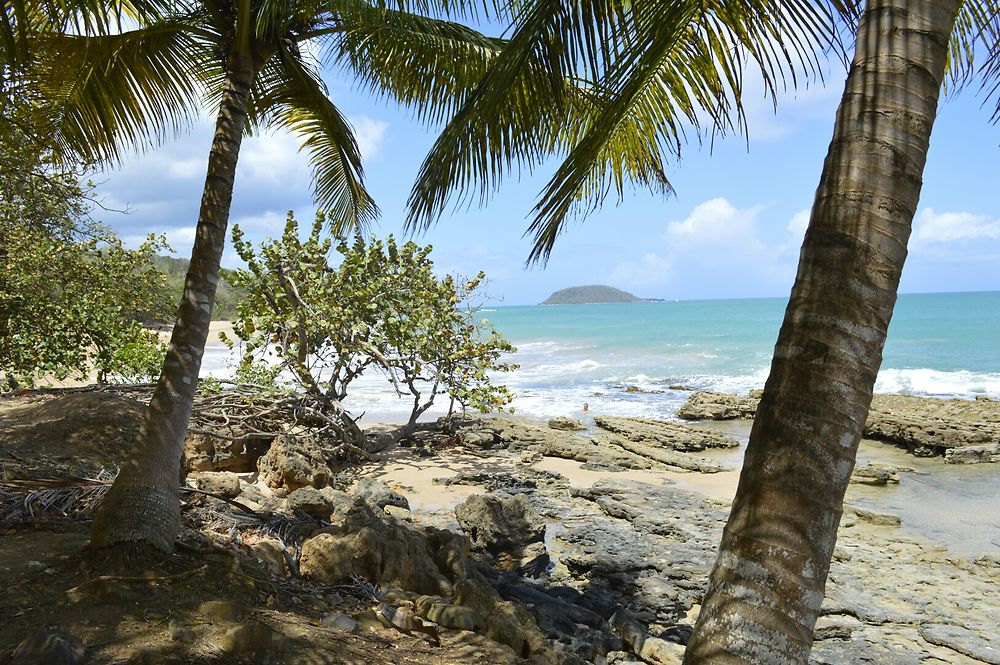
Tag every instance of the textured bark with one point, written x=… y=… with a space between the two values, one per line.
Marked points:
x=143 y=506
x=766 y=588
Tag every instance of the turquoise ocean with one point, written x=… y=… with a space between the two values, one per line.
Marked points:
x=941 y=345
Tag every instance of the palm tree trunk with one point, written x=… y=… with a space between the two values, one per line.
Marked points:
x=766 y=588
x=142 y=508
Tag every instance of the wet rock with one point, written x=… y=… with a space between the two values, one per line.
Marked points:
x=989 y=453
x=293 y=462
x=499 y=525
x=877 y=474
x=567 y=424
x=873 y=517
x=718 y=406
x=377 y=493
x=665 y=434
x=222 y=483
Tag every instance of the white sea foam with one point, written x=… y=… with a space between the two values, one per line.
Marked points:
x=554 y=381
x=930 y=382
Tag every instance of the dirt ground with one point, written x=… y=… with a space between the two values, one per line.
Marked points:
x=211 y=601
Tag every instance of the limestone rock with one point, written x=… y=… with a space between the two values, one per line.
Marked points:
x=964 y=641
x=499 y=525
x=873 y=517
x=222 y=483
x=665 y=434
x=506 y=622
x=203 y=452
x=652 y=650
x=380 y=549
x=566 y=424
x=973 y=454
x=876 y=474
x=310 y=501
x=270 y=552
x=340 y=622
x=669 y=458
x=378 y=494
x=718 y=406
x=294 y=462
x=523 y=481
x=448 y=615
x=839 y=626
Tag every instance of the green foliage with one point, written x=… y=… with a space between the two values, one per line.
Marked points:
x=381 y=307
x=71 y=295
x=226 y=297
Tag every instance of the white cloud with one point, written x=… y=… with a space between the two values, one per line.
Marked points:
x=949 y=227
x=187 y=169
x=651 y=269
x=369 y=133
x=268 y=223
x=716 y=224
x=798 y=223
x=717 y=243
x=273 y=159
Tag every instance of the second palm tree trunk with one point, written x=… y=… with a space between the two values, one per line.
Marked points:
x=767 y=586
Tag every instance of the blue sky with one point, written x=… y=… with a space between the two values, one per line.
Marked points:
x=731 y=230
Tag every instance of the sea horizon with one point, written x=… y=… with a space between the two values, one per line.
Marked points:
x=631 y=359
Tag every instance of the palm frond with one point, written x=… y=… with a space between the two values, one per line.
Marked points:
x=296 y=99
x=974 y=51
x=127 y=91
x=653 y=69
x=425 y=63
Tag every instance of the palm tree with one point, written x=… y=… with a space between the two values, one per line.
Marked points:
x=767 y=585
x=146 y=69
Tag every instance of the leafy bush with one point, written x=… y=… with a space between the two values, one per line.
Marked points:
x=382 y=307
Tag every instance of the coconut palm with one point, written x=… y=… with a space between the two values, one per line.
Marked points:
x=133 y=83
x=670 y=65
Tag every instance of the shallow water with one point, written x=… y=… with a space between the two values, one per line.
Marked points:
x=953 y=505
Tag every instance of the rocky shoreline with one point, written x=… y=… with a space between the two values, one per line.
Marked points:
x=961 y=431
x=563 y=544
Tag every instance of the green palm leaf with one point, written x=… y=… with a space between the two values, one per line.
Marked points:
x=129 y=90
x=425 y=63
x=296 y=99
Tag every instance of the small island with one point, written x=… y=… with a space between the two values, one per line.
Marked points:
x=593 y=294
